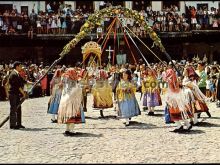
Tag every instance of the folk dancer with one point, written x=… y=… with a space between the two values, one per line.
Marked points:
x=70 y=109
x=179 y=106
x=151 y=92
x=56 y=92
x=127 y=103
x=196 y=97
x=84 y=83
x=102 y=92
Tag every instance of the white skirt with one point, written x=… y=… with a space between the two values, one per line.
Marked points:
x=70 y=105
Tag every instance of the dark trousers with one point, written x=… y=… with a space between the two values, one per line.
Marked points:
x=15 y=116
x=84 y=100
x=203 y=90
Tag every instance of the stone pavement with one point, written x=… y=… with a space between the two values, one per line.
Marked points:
x=147 y=140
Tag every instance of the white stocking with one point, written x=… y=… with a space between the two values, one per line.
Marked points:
x=186 y=123
x=152 y=109
x=69 y=126
x=178 y=123
x=53 y=117
x=127 y=120
x=196 y=118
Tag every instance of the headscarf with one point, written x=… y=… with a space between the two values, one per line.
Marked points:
x=171 y=78
x=71 y=73
x=191 y=73
x=57 y=73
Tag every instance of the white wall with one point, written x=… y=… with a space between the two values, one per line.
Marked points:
x=210 y=3
x=156 y=5
x=18 y=4
x=128 y=4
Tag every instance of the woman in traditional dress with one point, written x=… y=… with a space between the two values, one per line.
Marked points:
x=179 y=106
x=56 y=91
x=102 y=92
x=70 y=109
x=197 y=98
x=151 y=92
x=125 y=93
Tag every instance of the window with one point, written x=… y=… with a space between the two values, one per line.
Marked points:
x=173 y=5
x=85 y=6
x=24 y=9
x=140 y=5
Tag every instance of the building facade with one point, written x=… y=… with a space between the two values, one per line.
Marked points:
x=156 y=5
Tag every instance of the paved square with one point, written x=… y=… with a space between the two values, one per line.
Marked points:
x=147 y=140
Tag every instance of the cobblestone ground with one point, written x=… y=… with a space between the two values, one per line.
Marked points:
x=147 y=140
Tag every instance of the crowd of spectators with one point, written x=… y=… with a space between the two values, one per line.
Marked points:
x=33 y=72
x=65 y=20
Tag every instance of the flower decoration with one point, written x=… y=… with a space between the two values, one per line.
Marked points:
x=94 y=20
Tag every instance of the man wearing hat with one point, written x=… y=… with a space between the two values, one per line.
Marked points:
x=16 y=91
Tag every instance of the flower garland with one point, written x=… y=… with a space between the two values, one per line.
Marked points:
x=95 y=20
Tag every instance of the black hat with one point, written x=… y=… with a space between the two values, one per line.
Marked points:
x=16 y=63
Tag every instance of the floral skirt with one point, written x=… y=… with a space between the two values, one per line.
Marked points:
x=152 y=99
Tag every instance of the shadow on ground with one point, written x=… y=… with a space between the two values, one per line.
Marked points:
x=83 y=134
x=206 y=124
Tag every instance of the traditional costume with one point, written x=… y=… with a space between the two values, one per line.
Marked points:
x=84 y=84
x=102 y=92
x=197 y=98
x=70 y=109
x=56 y=92
x=127 y=102
x=179 y=106
x=151 y=93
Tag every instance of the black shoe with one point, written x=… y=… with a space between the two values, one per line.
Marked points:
x=191 y=122
x=150 y=113
x=14 y=127
x=190 y=127
x=208 y=113
x=68 y=133
x=54 y=121
x=127 y=124
x=178 y=129
x=21 y=126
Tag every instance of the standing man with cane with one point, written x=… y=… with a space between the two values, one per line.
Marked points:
x=16 y=83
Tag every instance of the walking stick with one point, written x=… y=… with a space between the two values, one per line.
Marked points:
x=34 y=85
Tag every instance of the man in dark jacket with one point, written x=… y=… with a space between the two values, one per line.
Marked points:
x=16 y=91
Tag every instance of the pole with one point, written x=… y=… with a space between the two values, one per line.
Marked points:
x=34 y=85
